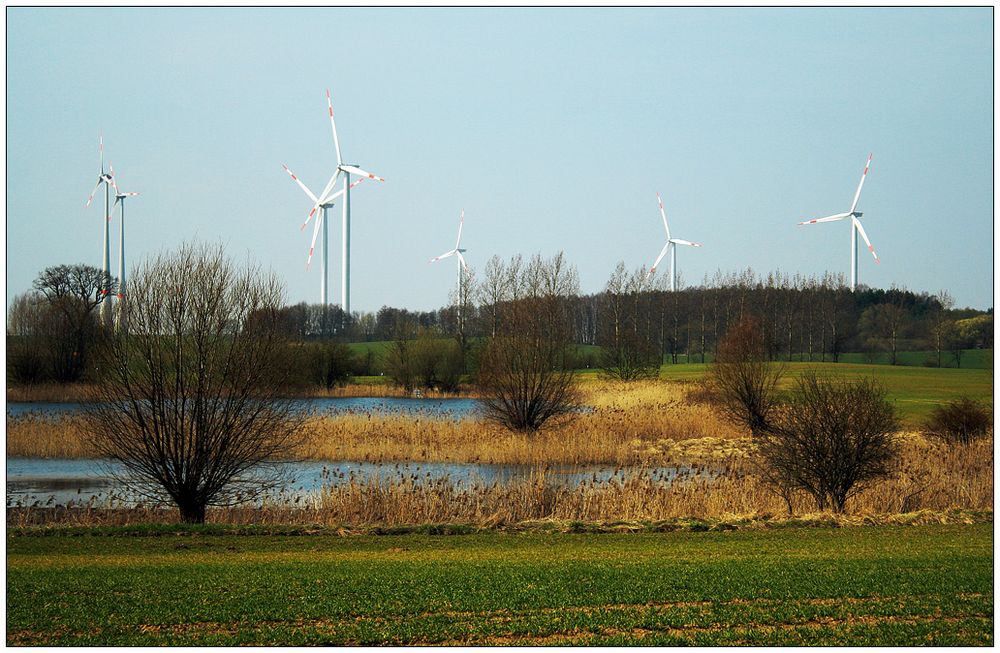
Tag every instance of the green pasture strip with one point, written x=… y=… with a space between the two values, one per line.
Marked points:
x=915 y=390
x=875 y=585
x=971 y=358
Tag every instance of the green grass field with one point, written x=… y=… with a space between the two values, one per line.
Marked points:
x=875 y=585
x=914 y=390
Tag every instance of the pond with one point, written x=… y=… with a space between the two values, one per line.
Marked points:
x=452 y=408
x=60 y=481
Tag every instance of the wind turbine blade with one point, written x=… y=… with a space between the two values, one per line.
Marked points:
x=354 y=170
x=111 y=177
x=100 y=147
x=333 y=126
x=861 y=230
x=678 y=241
x=461 y=223
x=829 y=218
x=322 y=200
x=462 y=259
x=861 y=183
x=663 y=252
x=663 y=214
x=301 y=185
x=94 y=192
x=445 y=255
x=312 y=245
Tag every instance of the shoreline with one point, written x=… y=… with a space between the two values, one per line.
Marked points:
x=50 y=393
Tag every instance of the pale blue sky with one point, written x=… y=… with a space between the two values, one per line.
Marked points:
x=552 y=128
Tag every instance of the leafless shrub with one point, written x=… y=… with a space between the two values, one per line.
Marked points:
x=190 y=397
x=831 y=440
x=743 y=379
x=962 y=420
x=525 y=375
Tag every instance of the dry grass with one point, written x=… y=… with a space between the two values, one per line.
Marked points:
x=381 y=390
x=929 y=479
x=49 y=392
x=640 y=425
x=647 y=423
x=34 y=435
x=71 y=392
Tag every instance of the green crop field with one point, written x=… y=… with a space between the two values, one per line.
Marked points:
x=914 y=390
x=874 y=585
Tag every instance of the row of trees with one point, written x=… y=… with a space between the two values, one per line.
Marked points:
x=811 y=318
x=637 y=324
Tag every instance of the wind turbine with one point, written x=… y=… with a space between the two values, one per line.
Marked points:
x=326 y=197
x=856 y=227
x=457 y=252
x=106 y=179
x=321 y=222
x=120 y=199
x=672 y=246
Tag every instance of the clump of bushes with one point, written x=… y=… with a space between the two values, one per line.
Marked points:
x=962 y=420
x=831 y=440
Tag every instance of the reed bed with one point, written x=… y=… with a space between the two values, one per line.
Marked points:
x=50 y=392
x=648 y=423
x=381 y=390
x=35 y=435
x=930 y=477
x=629 y=425
x=634 y=427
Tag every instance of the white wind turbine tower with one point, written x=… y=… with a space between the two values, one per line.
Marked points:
x=324 y=200
x=457 y=252
x=106 y=179
x=856 y=227
x=120 y=199
x=672 y=246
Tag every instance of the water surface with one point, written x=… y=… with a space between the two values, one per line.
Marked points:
x=61 y=481
x=457 y=408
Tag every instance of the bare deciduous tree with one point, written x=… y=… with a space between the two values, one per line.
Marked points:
x=745 y=381
x=525 y=374
x=939 y=325
x=73 y=293
x=190 y=401
x=832 y=440
x=399 y=358
x=627 y=354
x=27 y=361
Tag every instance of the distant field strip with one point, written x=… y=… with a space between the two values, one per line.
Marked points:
x=860 y=586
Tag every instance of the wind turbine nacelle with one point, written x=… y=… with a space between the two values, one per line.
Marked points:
x=857 y=214
x=461 y=251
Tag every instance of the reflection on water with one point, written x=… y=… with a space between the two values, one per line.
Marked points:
x=32 y=481
x=454 y=408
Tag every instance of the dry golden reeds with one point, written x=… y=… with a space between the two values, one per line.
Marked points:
x=638 y=426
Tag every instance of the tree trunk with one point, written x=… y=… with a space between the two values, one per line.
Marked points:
x=192 y=513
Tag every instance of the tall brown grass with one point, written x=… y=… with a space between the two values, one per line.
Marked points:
x=634 y=424
x=637 y=426
x=928 y=479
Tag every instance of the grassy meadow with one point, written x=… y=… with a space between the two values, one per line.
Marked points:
x=878 y=585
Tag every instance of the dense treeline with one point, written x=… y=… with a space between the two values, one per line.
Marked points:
x=804 y=318
x=635 y=321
